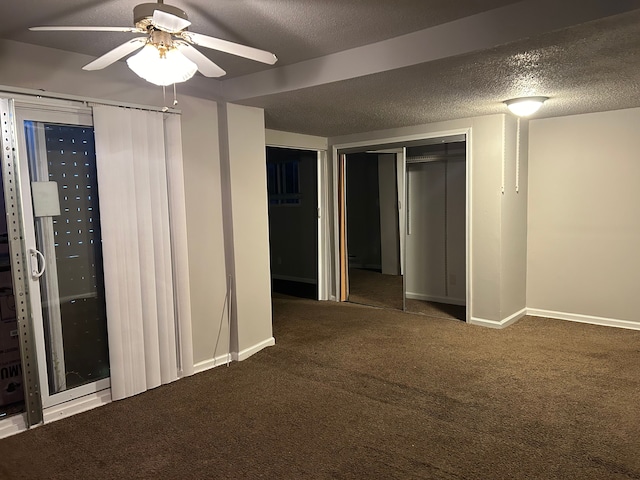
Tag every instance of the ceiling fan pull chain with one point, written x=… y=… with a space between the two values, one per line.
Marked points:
x=175 y=96
x=164 y=99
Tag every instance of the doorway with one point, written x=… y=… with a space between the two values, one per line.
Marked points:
x=51 y=193
x=292 y=186
x=433 y=231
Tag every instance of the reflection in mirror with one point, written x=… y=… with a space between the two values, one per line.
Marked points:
x=436 y=224
x=373 y=230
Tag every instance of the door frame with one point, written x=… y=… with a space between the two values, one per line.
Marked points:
x=321 y=204
x=62 y=115
x=15 y=226
x=400 y=142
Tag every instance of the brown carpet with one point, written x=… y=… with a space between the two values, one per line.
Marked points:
x=352 y=392
x=437 y=309
x=375 y=289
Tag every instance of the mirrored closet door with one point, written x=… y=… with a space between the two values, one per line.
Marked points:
x=436 y=229
x=403 y=226
x=373 y=192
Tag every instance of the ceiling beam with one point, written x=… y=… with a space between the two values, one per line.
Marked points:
x=478 y=32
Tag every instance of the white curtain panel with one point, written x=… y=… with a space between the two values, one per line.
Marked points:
x=143 y=222
x=178 y=222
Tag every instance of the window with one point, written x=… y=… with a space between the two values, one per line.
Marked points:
x=283 y=183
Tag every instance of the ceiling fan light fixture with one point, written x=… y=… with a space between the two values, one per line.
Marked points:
x=169 y=55
x=161 y=66
x=525 y=106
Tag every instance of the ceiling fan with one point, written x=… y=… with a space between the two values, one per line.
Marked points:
x=167 y=54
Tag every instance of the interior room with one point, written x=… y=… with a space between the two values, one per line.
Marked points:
x=292 y=186
x=197 y=197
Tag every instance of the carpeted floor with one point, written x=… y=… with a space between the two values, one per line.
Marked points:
x=352 y=392
x=437 y=309
x=367 y=287
x=375 y=289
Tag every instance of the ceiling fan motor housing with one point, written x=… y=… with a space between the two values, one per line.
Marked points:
x=143 y=13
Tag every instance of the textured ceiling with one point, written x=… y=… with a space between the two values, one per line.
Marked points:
x=589 y=68
x=294 y=30
x=584 y=65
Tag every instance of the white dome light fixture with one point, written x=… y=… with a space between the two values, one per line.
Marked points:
x=162 y=66
x=525 y=106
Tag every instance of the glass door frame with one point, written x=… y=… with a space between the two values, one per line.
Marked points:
x=59 y=115
x=33 y=414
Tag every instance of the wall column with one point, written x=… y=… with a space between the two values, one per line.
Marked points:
x=246 y=226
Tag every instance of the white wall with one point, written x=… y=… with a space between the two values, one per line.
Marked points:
x=278 y=138
x=205 y=235
x=244 y=160
x=34 y=67
x=513 y=220
x=583 y=259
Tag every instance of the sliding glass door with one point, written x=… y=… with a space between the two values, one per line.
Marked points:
x=63 y=250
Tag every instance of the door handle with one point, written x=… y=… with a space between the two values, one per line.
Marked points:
x=35 y=271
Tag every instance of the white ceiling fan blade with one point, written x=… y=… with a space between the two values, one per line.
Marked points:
x=116 y=54
x=205 y=66
x=230 y=47
x=57 y=28
x=169 y=22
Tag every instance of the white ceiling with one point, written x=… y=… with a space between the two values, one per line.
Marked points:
x=357 y=65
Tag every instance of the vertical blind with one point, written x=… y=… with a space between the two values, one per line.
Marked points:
x=141 y=194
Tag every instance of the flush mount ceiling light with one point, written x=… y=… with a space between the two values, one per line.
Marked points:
x=525 y=106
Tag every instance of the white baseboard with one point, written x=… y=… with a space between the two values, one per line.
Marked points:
x=499 y=323
x=434 y=298
x=72 y=407
x=212 y=363
x=288 y=278
x=576 y=317
x=247 y=352
x=12 y=425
